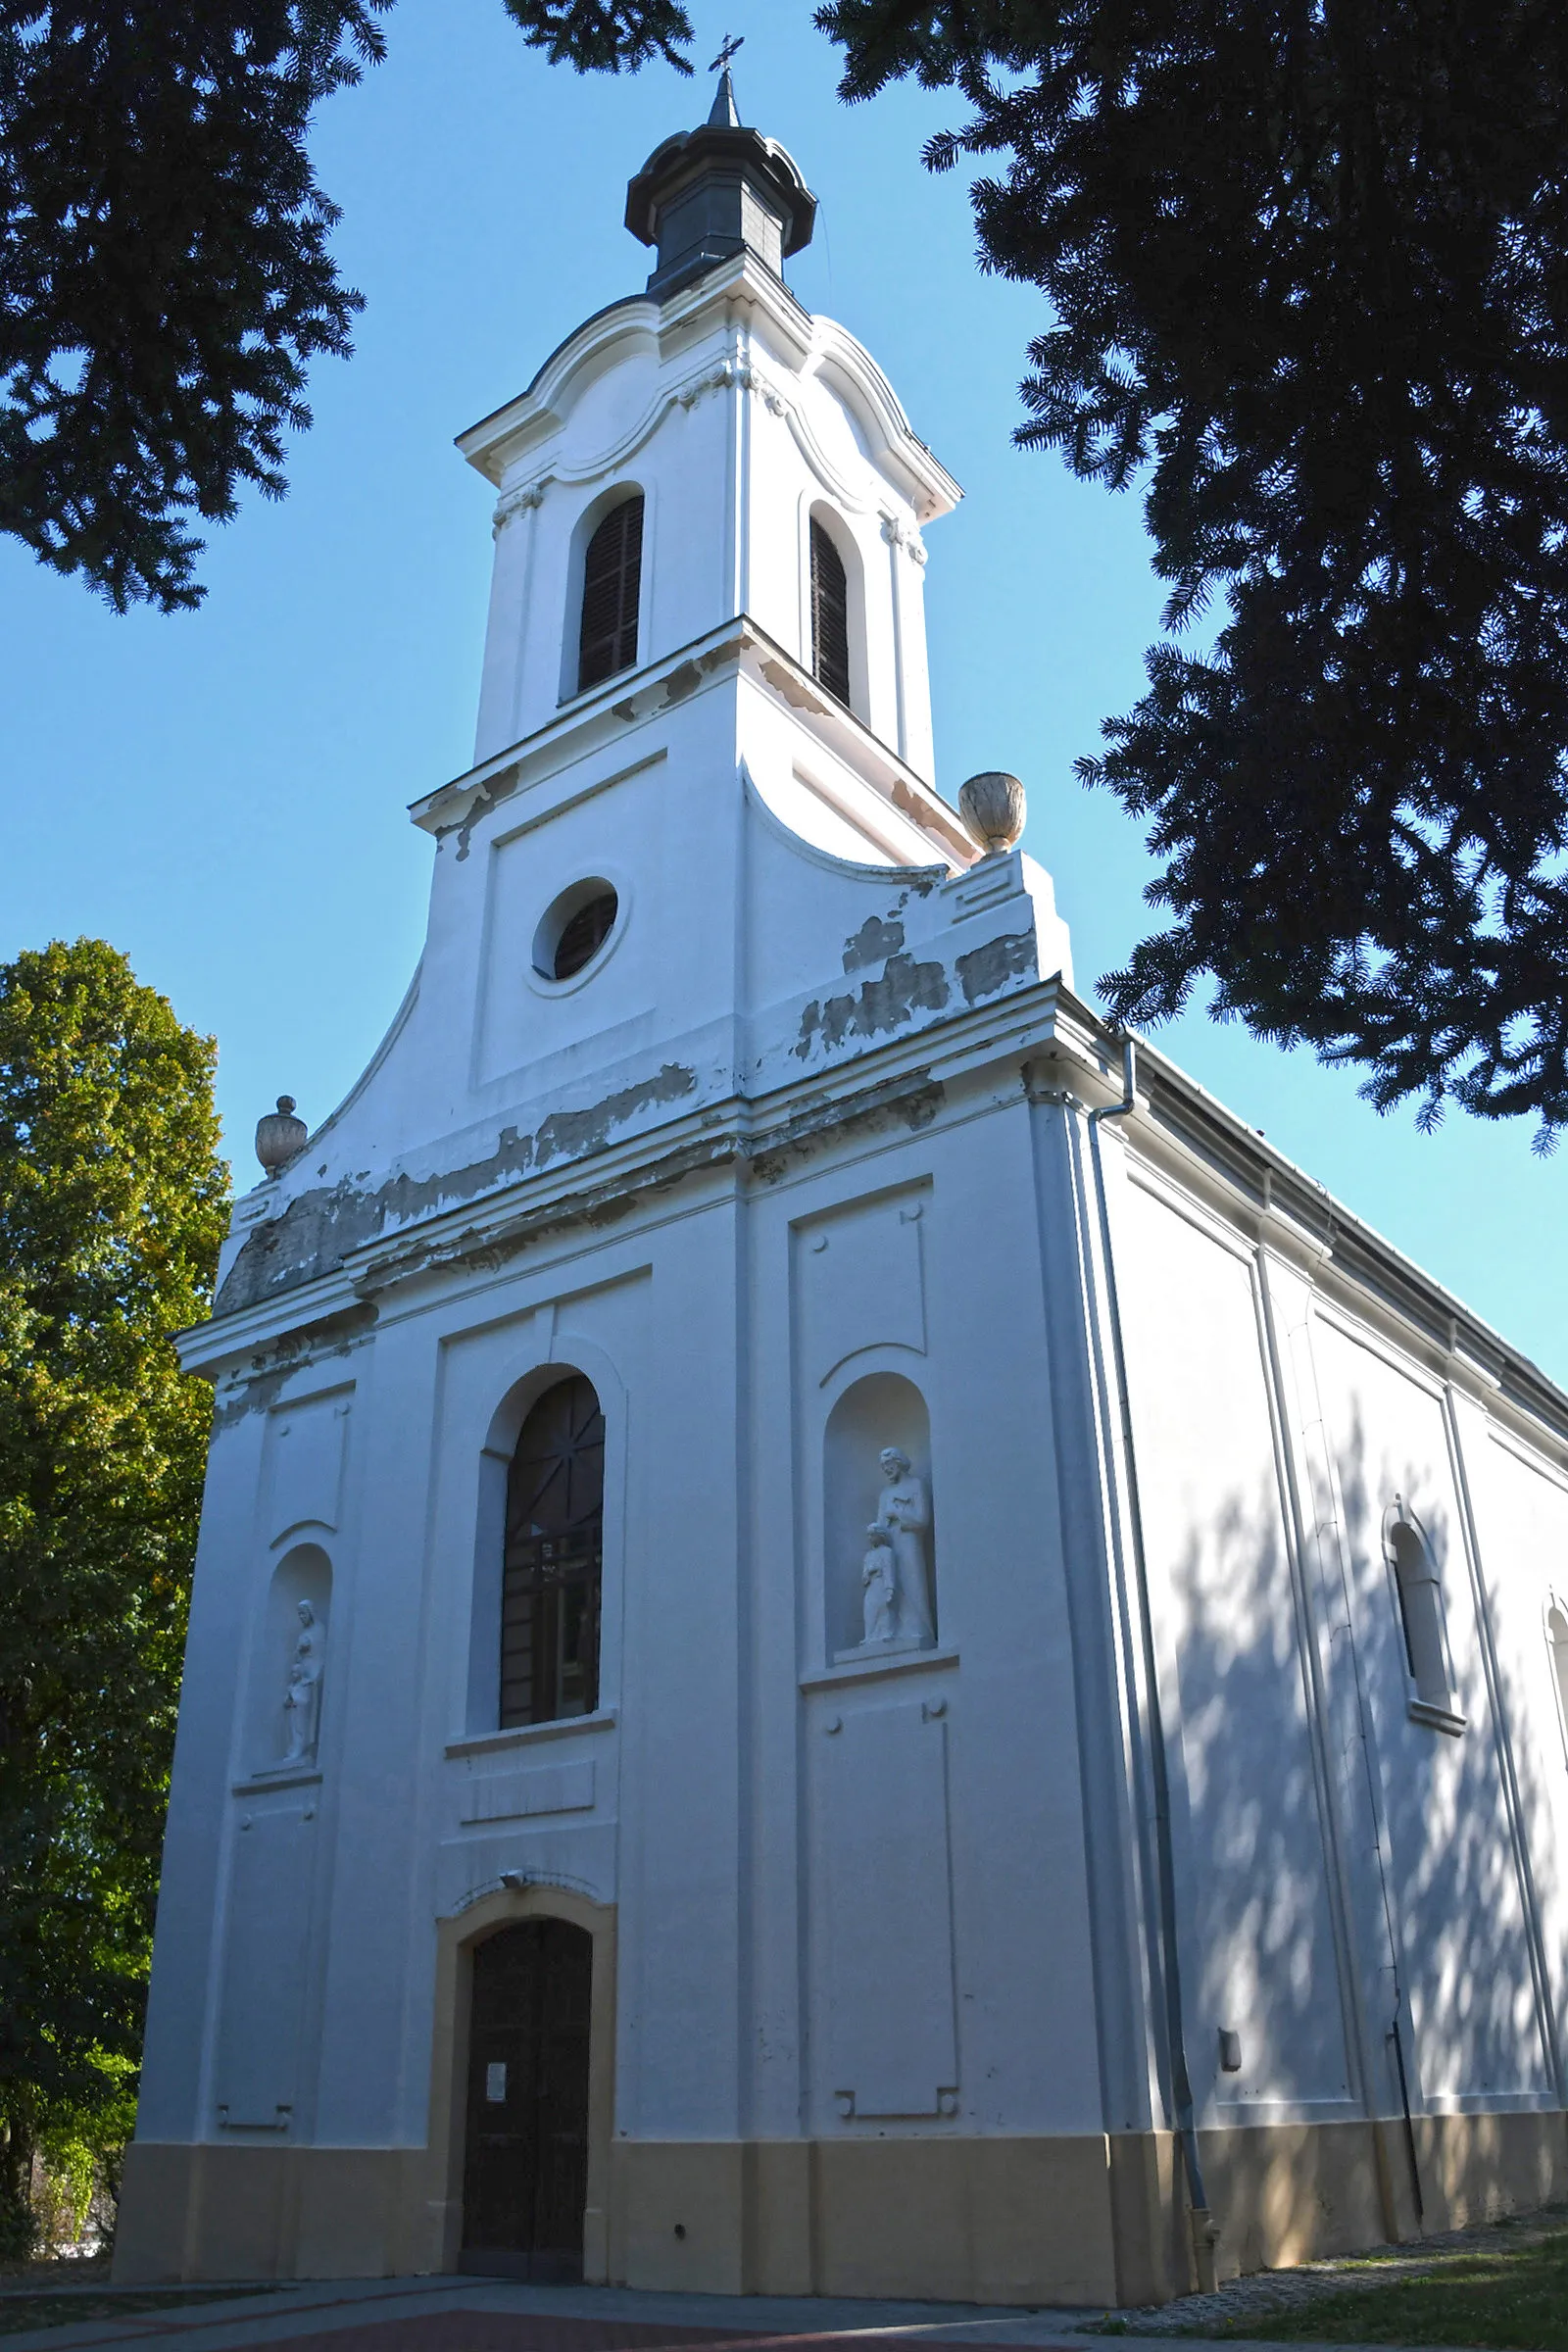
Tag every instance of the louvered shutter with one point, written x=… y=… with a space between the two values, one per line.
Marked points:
x=830 y=616
x=611 y=577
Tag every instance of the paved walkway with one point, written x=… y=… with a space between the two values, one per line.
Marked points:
x=499 y=2315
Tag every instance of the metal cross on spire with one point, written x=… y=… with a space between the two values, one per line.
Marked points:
x=724 y=112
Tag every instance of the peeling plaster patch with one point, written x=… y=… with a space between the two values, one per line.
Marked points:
x=874 y=942
x=577 y=1131
x=913 y=1104
x=319 y=1228
x=490 y=796
x=682 y=682
x=910 y=1101
x=881 y=1006
x=596 y=1207
x=986 y=970
x=253 y=1391
x=797 y=695
x=626 y=711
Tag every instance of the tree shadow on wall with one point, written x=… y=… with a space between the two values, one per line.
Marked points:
x=1258 y=1798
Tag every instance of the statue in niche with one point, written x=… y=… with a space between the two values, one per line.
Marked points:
x=879 y=1583
x=902 y=1515
x=302 y=1700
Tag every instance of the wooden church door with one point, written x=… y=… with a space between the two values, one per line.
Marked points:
x=525 y=2175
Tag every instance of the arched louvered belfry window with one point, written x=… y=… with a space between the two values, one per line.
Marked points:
x=830 y=614
x=554 y=1550
x=611 y=574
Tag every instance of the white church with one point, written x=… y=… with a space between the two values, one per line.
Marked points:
x=845 y=1641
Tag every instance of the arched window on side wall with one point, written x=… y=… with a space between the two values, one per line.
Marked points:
x=1421 y=1616
x=1557 y=1644
x=830 y=614
x=554 y=1557
x=612 y=578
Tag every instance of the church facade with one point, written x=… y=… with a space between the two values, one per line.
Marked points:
x=845 y=1641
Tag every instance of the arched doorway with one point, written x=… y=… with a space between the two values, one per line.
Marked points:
x=526 y=2164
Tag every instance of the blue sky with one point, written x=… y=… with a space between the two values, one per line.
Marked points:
x=223 y=795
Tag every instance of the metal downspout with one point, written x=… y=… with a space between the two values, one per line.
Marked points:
x=1205 y=2233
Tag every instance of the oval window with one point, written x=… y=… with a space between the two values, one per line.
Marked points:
x=574 y=929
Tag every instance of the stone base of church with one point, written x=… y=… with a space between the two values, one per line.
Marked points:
x=225 y=2211
x=1289 y=2192
x=1083 y=2220
x=964 y=2221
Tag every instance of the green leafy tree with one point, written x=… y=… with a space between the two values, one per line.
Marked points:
x=112 y=1207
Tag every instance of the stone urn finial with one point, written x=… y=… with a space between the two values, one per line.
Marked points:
x=993 y=809
x=280 y=1137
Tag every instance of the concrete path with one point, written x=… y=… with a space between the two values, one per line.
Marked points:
x=498 y=2315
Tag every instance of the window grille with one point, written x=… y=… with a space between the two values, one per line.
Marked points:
x=612 y=575
x=830 y=616
x=553 y=1560
x=584 y=934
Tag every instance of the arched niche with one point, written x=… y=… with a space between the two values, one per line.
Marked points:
x=880 y=1411
x=303 y=1574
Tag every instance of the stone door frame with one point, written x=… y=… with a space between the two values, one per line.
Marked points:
x=456 y=1939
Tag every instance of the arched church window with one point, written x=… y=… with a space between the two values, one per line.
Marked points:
x=611 y=577
x=554 y=1556
x=1557 y=1644
x=1421 y=1613
x=830 y=614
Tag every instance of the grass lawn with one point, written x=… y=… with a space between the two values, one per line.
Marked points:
x=70 y=2307
x=1508 y=2295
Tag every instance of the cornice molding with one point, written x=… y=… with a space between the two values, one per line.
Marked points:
x=732 y=296
x=898 y=533
x=638 y=695
x=1059 y=1053
x=515 y=502
x=762 y=1136
x=737 y=375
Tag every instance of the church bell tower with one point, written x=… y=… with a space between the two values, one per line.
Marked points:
x=709 y=458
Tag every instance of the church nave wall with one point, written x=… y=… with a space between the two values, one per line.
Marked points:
x=1263 y=1957
x=1363 y=1829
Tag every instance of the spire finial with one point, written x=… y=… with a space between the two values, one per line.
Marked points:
x=723 y=111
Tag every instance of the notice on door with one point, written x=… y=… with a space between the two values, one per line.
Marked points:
x=495 y=2083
